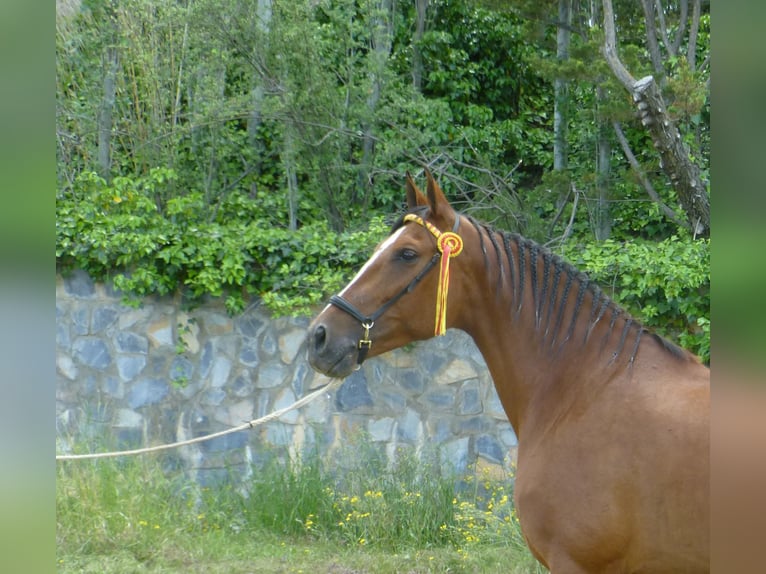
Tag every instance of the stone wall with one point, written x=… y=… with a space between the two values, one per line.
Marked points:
x=130 y=377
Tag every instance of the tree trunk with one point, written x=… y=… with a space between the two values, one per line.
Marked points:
x=111 y=63
x=560 y=88
x=675 y=162
x=382 y=34
x=417 y=57
x=674 y=156
x=263 y=14
x=603 y=216
x=288 y=158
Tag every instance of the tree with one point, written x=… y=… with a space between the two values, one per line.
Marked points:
x=675 y=159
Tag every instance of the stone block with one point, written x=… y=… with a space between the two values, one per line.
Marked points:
x=219 y=374
x=215 y=323
x=279 y=434
x=381 y=430
x=161 y=333
x=127 y=342
x=63 y=336
x=188 y=333
x=92 y=352
x=411 y=380
x=284 y=399
x=409 y=428
x=270 y=376
x=507 y=435
x=300 y=375
x=127 y=418
x=130 y=317
x=248 y=354
x=226 y=442
x=454 y=455
x=289 y=345
x=65 y=365
x=473 y=425
x=456 y=371
x=130 y=366
x=103 y=318
x=79 y=284
x=81 y=320
x=242 y=385
x=213 y=397
x=488 y=447
x=469 y=398
x=147 y=392
x=439 y=399
x=181 y=370
x=249 y=324
x=206 y=360
x=353 y=393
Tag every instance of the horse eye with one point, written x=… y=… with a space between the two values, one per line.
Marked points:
x=407 y=254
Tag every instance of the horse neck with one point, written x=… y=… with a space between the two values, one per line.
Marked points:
x=545 y=332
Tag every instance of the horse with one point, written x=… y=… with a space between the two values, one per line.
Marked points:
x=612 y=420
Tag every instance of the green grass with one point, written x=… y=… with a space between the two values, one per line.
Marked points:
x=128 y=515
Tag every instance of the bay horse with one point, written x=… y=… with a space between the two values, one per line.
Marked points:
x=612 y=420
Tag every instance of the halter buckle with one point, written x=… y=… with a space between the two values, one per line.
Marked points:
x=365 y=342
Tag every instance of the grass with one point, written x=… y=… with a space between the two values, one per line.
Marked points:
x=129 y=515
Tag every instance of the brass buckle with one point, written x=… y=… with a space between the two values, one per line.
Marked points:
x=365 y=342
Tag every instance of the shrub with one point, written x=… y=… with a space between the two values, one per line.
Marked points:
x=665 y=284
x=121 y=231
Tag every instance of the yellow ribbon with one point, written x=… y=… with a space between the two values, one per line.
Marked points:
x=449 y=245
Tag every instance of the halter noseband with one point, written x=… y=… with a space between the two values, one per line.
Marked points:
x=449 y=244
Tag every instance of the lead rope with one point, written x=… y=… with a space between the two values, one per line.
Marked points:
x=245 y=426
x=449 y=245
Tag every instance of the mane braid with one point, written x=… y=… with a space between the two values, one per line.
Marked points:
x=533 y=276
x=546 y=304
x=481 y=244
x=562 y=305
x=595 y=316
x=546 y=276
x=615 y=314
x=625 y=329
x=584 y=283
x=552 y=303
x=521 y=245
x=498 y=258
x=641 y=331
x=511 y=265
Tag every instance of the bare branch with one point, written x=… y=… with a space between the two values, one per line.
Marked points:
x=610 y=49
x=663 y=27
x=669 y=213
x=681 y=26
x=691 y=49
x=651 y=38
x=568 y=230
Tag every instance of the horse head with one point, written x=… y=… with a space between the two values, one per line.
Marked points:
x=401 y=293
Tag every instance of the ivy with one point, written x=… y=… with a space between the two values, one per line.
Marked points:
x=117 y=232
x=665 y=284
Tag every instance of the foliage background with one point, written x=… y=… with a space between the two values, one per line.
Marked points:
x=242 y=148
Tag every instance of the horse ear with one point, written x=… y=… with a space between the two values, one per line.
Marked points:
x=436 y=197
x=414 y=196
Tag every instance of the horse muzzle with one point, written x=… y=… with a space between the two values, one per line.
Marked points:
x=334 y=356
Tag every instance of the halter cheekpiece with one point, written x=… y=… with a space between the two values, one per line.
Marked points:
x=449 y=244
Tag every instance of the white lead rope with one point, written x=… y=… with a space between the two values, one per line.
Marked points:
x=245 y=426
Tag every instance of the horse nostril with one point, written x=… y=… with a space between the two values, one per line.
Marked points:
x=320 y=337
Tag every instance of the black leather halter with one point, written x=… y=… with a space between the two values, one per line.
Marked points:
x=368 y=321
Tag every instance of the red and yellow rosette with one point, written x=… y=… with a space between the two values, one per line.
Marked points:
x=450 y=245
